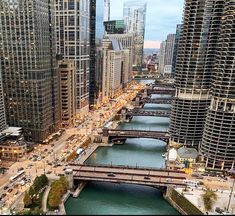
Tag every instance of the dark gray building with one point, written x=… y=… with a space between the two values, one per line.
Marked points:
x=97 y=10
x=28 y=66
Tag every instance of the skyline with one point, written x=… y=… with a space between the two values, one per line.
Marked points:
x=163 y=23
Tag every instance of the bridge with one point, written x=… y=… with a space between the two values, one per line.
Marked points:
x=153 y=90
x=140 y=112
x=129 y=175
x=155 y=100
x=118 y=134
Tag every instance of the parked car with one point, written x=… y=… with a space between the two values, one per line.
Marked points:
x=146 y=177
x=110 y=175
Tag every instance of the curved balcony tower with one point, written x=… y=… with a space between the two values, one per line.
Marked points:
x=191 y=79
x=218 y=143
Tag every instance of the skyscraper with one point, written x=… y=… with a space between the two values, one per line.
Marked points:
x=169 y=50
x=73 y=42
x=218 y=143
x=192 y=79
x=127 y=41
x=162 y=57
x=176 y=46
x=28 y=66
x=134 y=15
x=106 y=10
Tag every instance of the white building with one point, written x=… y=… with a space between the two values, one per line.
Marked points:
x=134 y=15
x=127 y=41
x=162 y=57
x=115 y=68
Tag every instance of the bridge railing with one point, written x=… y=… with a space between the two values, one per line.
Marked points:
x=128 y=167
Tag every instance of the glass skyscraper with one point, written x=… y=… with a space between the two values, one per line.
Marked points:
x=28 y=66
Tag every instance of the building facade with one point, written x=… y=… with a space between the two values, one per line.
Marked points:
x=115 y=68
x=3 y=123
x=169 y=50
x=134 y=15
x=162 y=57
x=106 y=10
x=114 y=27
x=28 y=66
x=218 y=143
x=127 y=41
x=176 y=46
x=192 y=79
x=67 y=93
x=73 y=42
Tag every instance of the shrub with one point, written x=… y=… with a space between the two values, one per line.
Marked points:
x=209 y=198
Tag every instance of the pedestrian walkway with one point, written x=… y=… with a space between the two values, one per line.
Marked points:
x=44 y=199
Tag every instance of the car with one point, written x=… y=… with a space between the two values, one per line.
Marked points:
x=146 y=177
x=169 y=179
x=6 y=187
x=110 y=175
x=49 y=172
x=10 y=190
x=3 y=195
x=60 y=174
x=49 y=163
x=19 y=169
x=52 y=145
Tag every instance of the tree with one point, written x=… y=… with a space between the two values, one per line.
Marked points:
x=27 y=200
x=209 y=198
x=54 y=200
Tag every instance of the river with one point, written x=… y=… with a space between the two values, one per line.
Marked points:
x=120 y=199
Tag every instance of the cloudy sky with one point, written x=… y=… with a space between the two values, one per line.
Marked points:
x=162 y=17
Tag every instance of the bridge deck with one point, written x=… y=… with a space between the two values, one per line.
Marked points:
x=131 y=175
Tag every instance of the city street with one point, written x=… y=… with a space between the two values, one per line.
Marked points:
x=44 y=157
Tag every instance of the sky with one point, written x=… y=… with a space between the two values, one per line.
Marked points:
x=161 y=18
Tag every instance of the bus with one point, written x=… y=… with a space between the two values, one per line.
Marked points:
x=17 y=176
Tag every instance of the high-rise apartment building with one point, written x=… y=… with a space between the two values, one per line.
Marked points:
x=218 y=143
x=67 y=83
x=162 y=57
x=192 y=79
x=169 y=50
x=28 y=66
x=134 y=15
x=176 y=46
x=106 y=10
x=73 y=42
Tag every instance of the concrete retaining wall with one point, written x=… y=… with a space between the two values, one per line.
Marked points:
x=180 y=203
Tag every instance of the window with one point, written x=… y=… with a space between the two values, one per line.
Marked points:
x=71 y=5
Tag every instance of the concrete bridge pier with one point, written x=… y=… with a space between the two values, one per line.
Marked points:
x=69 y=177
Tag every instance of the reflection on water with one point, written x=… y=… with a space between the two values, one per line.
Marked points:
x=123 y=199
x=140 y=152
x=118 y=199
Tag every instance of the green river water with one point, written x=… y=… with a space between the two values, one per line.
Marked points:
x=124 y=199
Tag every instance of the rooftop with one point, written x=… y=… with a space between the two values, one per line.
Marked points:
x=187 y=153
